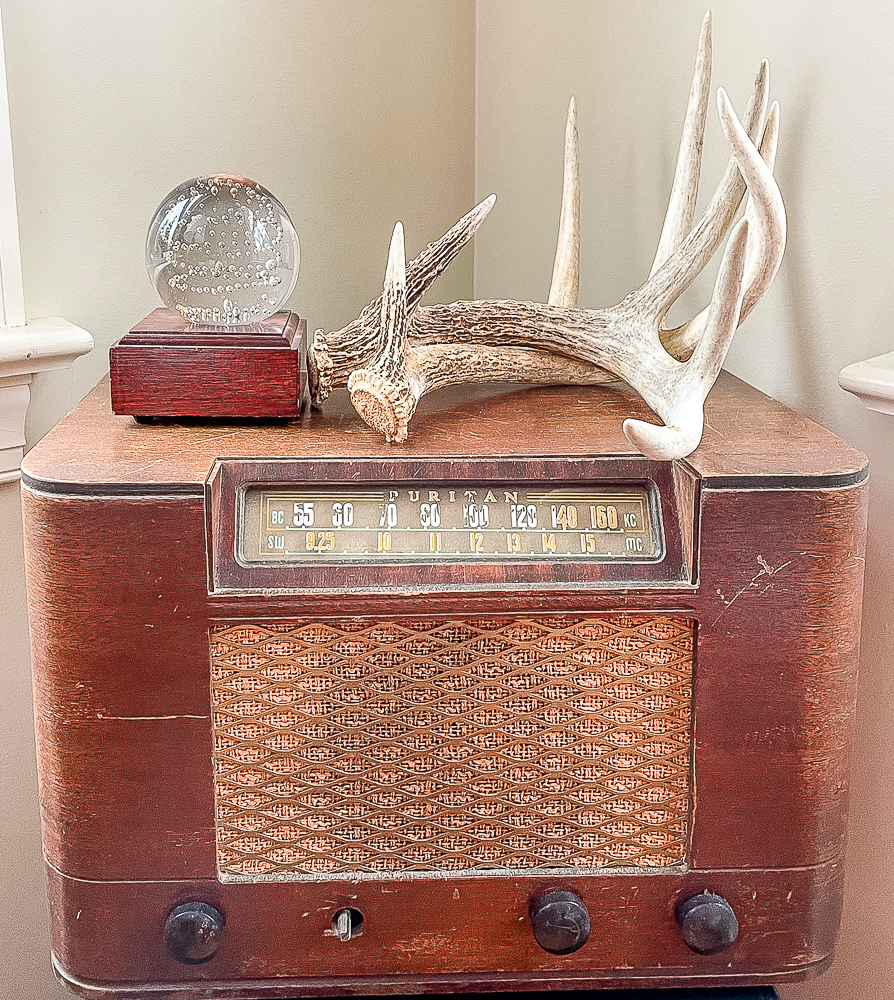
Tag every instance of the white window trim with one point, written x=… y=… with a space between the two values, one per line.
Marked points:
x=26 y=347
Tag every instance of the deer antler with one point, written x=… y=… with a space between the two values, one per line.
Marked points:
x=332 y=358
x=396 y=350
x=565 y=285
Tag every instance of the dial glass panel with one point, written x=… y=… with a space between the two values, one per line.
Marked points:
x=458 y=521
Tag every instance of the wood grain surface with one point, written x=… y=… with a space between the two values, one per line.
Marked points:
x=122 y=526
x=166 y=367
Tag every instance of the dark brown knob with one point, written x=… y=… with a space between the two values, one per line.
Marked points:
x=708 y=923
x=193 y=932
x=560 y=922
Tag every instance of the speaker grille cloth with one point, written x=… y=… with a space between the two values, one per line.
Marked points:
x=451 y=746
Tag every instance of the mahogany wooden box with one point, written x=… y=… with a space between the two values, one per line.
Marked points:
x=271 y=766
x=167 y=367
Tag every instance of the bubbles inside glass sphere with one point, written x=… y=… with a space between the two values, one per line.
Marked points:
x=222 y=250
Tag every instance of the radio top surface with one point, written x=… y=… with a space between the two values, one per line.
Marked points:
x=747 y=436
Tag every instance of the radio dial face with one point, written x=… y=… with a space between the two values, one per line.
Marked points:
x=468 y=521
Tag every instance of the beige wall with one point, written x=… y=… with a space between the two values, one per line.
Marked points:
x=357 y=114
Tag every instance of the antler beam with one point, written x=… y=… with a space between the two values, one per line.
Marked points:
x=397 y=350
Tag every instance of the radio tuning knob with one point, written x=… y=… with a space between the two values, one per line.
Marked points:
x=193 y=932
x=708 y=923
x=560 y=922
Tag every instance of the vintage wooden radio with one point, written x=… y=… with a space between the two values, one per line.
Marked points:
x=507 y=707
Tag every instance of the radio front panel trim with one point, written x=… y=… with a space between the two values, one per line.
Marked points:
x=367 y=526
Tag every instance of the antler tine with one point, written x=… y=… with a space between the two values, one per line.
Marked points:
x=684 y=417
x=687 y=261
x=762 y=265
x=681 y=205
x=436 y=257
x=764 y=209
x=565 y=285
x=383 y=402
x=394 y=296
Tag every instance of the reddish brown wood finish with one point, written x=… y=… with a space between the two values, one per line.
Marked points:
x=166 y=367
x=470 y=421
x=119 y=525
x=772 y=696
x=452 y=930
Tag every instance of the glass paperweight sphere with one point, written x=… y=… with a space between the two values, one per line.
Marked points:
x=222 y=250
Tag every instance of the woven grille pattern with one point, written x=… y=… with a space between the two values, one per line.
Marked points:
x=451 y=746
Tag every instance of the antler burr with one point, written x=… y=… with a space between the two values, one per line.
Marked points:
x=397 y=350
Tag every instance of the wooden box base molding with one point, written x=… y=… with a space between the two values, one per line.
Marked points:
x=510 y=708
x=167 y=367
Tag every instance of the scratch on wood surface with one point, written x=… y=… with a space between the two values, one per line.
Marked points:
x=765 y=570
x=425 y=944
x=143 y=468
x=216 y=437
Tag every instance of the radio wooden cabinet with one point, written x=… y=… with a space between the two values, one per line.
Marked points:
x=508 y=707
